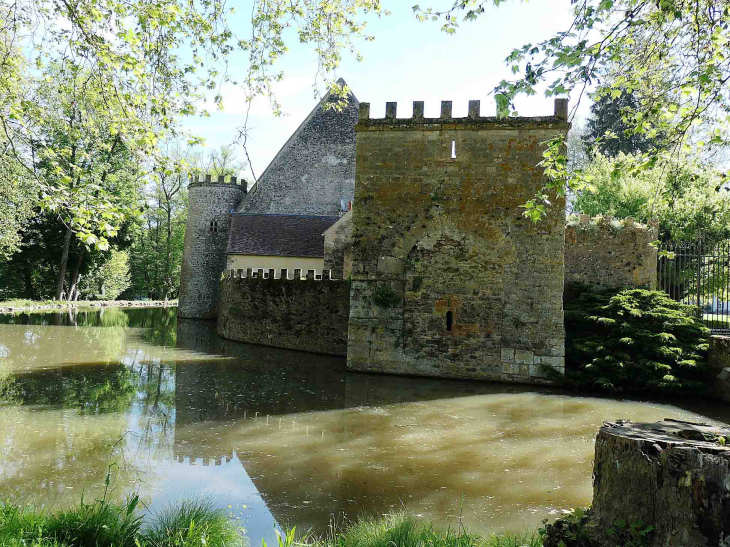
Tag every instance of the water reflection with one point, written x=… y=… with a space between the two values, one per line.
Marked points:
x=292 y=437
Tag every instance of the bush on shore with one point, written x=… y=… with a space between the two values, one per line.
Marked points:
x=635 y=339
x=194 y=523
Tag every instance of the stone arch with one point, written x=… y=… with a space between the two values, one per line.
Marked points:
x=455 y=278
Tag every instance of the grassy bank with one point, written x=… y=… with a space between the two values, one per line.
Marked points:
x=20 y=305
x=402 y=530
x=196 y=523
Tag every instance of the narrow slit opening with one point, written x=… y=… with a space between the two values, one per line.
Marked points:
x=453 y=150
x=449 y=320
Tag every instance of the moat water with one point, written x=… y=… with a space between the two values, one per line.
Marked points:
x=279 y=437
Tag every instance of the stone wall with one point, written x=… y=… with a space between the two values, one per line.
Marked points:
x=307 y=315
x=338 y=247
x=720 y=362
x=449 y=278
x=604 y=253
x=206 y=239
x=314 y=170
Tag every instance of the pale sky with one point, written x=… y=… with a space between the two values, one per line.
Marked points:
x=408 y=61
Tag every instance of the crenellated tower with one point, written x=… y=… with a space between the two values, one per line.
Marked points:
x=206 y=238
x=449 y=278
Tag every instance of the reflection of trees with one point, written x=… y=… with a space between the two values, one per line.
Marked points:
x=160 y=325
x=150 y=428
x=78 y=391
x=90 y=388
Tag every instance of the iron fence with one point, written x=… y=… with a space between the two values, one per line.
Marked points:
x=698 y=276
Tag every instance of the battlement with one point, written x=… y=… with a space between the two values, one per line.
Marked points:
x=559 y=119
x=220 y=181
x=282 y=274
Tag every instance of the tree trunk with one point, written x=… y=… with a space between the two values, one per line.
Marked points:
x=157 y=250
x=76 y=294
x=167 y=256
x=672 y=475
x=29 y=289
x=62 y=264
x=73 y=292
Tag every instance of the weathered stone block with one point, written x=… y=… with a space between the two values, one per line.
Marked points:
x=552 y=361
x=524 y=357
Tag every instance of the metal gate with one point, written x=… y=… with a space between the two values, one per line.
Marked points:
x=698 y=276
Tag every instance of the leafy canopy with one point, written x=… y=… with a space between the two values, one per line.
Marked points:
x=672 y=55
x=143 y=64
x=687 y=198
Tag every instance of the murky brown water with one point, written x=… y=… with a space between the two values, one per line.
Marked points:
x=280 y=436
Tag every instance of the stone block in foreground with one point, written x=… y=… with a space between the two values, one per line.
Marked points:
x=672 y=475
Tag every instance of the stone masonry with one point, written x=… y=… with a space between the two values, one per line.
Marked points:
x=338 y=247
x=604 y=253
x=206 y=239
x=449 y=278
x=719 y=358
x=276 y=308
x=315 y=170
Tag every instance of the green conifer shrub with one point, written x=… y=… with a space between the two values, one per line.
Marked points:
x=635 y=339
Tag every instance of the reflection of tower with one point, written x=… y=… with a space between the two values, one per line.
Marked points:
x=206 y=239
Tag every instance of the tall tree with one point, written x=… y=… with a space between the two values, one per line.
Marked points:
x=17 y=196
x=84 y=161
x=609 y=133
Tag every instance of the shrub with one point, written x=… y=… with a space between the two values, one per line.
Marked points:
x=385 y=296
x=576 y=529
x=637 y=340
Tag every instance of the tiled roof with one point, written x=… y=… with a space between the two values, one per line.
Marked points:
x=278 y=234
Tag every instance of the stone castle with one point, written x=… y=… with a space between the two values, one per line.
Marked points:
x=434 y=272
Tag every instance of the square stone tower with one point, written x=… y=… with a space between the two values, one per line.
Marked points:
x=449 y=278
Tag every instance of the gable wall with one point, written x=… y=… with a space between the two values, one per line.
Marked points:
x=314 y=170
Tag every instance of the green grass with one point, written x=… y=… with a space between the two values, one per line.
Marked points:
x=197 y=523
x=192 y=523
x=403 y=530
x=23 y=303
x=716 y=321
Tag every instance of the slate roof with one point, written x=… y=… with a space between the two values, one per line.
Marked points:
x=278 y=234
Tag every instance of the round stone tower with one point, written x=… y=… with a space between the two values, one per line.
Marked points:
x=210 y=205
